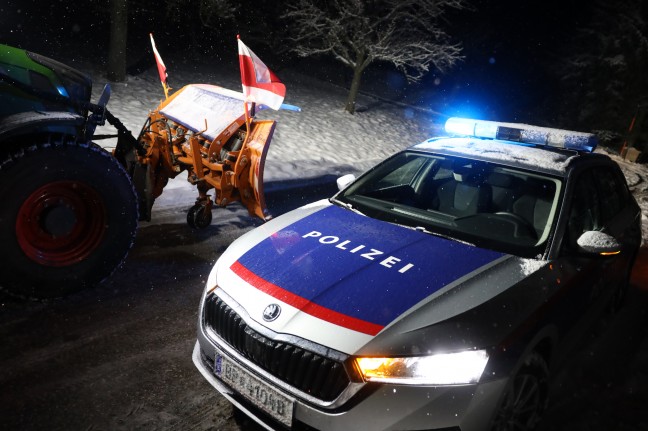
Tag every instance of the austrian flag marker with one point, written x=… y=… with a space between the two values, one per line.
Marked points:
x=260 y=85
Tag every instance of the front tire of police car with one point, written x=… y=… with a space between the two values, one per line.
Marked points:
x=68 y=217
x=525 y=399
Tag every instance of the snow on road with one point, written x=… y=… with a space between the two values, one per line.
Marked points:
x=320 y=140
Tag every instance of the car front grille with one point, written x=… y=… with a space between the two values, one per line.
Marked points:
x=314 y=374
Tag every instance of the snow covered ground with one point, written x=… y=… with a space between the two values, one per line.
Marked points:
x=118 y=356
x=320 y=140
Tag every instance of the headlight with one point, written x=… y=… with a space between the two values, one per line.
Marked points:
x=441 y=369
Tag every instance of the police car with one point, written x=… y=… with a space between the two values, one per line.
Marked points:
x=436 y=291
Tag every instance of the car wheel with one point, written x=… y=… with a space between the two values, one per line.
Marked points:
x=199 y=216
x=525 y=399
x=68 y=218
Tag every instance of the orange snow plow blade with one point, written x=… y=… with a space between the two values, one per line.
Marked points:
x=201 y=129
x=250 y=181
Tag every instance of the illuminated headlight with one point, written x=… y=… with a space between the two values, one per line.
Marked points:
x=441 y=369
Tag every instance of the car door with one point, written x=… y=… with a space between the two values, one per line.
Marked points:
x=595 y=201
x=584 y=274
x=619 y=217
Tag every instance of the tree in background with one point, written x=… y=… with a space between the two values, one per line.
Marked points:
x=201 y=20
x=197 y=20
x=118 y=36
x=405 y=33
x=603 y=68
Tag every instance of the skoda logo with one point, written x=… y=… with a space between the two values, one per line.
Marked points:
x=271 y=312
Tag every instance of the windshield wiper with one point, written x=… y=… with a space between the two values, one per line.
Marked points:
x=440 y=235
x=345 y=205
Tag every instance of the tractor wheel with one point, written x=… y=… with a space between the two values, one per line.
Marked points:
x=67 y=220
x=199 y=216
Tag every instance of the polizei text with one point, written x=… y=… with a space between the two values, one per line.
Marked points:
x=361 y=250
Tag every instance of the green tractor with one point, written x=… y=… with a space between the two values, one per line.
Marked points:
x=69 y=210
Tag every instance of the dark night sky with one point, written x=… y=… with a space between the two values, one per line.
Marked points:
x=508 y=47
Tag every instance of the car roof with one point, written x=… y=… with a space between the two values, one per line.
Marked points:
x=540 y=159
x=540 y=149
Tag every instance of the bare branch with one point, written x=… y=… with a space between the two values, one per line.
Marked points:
x=405 y=33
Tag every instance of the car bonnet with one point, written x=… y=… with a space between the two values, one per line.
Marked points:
x=338 y=278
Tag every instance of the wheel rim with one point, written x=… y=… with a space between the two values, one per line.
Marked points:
x=522 y=405
x=61 y=223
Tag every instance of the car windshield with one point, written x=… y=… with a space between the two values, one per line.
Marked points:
x=486 y=204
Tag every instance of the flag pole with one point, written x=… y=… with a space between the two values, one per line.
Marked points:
x=247 y=116
x=165 y=87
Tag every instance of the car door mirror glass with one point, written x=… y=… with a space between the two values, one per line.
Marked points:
x=596 y=242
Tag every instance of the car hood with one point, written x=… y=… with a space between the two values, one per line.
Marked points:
x=339 y=278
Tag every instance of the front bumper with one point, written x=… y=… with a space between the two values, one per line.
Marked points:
x=388 y=407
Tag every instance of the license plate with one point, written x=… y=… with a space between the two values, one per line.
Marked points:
x=277 y=405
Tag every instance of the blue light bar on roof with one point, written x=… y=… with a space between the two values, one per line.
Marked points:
x=522 y=133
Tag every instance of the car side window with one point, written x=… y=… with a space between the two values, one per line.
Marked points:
x=612 y=193
x=585 y=213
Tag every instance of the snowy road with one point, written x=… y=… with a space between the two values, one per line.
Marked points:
x=118 y=357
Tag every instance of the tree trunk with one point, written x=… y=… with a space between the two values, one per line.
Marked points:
x=355 y=84
x=118 y=32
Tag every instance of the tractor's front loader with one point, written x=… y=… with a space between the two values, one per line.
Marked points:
x=201 y=129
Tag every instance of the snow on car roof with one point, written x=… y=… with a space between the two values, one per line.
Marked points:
x=502 y=152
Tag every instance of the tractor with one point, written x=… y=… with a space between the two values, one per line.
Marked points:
x=70 y=208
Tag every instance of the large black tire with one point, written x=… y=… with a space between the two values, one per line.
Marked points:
x=525 y=398
x=68 y=217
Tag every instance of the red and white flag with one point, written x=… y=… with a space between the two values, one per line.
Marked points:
x=260 y=85
x=160 y=66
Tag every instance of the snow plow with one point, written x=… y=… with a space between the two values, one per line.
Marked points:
x=200 y=129
x=70 y=208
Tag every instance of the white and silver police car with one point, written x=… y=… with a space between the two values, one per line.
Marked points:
x=435 y=292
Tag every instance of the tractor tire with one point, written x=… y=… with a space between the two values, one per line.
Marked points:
x=68 y=217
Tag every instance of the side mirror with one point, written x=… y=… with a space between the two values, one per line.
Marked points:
x=345 y=180
x=596 y=242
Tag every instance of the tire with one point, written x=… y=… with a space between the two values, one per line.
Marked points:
x=525 y=398
x=68 y=218
x=199 y=216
